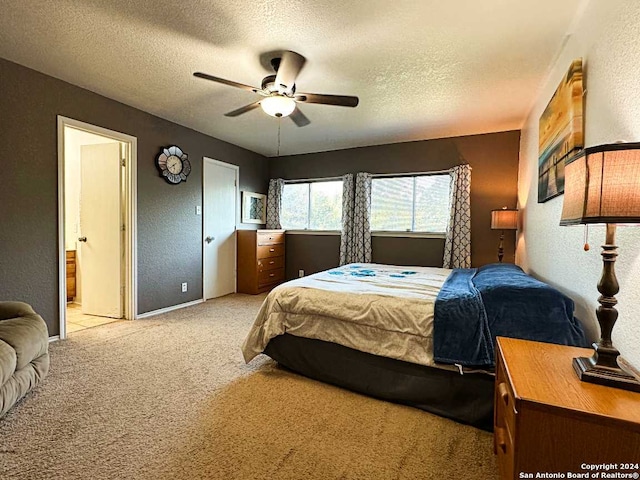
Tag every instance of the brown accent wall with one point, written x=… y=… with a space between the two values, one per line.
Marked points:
x=169 y=232
x=494 y=161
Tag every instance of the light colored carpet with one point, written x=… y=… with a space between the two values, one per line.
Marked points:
x=170 y=398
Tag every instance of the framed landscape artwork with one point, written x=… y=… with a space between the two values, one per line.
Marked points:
x=254 y=209
x=560 y=133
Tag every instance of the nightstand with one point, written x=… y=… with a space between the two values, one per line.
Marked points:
x=547 y=421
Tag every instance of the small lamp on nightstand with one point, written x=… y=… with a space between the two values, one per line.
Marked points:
x=602 y=185
x=503 y=219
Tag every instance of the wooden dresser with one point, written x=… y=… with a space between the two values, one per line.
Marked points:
x=71 y=274
x=547 y=421
x=260 y=260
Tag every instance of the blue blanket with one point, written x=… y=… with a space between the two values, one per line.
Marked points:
x=475 y=306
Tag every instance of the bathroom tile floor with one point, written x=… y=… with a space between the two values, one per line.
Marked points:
x=77 y=321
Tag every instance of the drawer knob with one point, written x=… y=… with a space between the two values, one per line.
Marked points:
x=271 y=262
x=272 y=249
x=272 y=274
x=500 y=439
x=503 y=392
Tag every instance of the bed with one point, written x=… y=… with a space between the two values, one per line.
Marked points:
x=420 y=336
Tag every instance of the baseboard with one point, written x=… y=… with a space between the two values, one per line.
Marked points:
x=153 y=313
x=54 y=338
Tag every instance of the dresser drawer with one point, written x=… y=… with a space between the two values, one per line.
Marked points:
x=267 y=251
x=265 y=238
x=270 y=263
x=270 y=276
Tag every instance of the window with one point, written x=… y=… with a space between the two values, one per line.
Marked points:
x=312 y=206
x=417 y=203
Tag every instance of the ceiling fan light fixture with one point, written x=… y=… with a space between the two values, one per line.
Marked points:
x=278 y=106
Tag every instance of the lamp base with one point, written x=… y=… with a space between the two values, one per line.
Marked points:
x=588 y=371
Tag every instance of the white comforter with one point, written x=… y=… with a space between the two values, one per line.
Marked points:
x=380 y=309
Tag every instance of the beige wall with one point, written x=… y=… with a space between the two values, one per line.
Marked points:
x=607 y=37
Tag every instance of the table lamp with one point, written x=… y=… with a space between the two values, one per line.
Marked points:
x=503 y=219
x=602 y=185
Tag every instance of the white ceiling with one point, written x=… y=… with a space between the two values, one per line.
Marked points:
x=422 y=69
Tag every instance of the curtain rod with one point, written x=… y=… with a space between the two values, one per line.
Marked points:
x=373 y=175
x=321 y=179
x=409 y=174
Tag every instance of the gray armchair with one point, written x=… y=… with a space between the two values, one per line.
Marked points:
x=24 y=352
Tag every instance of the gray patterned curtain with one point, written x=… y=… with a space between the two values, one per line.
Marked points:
x=274 y=203
x=355 y=242
x=457 y=245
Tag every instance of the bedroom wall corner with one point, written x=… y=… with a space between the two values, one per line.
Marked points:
x=608 y=40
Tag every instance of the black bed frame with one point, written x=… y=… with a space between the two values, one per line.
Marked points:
x=465 y=398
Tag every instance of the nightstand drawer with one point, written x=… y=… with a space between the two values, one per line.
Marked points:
x=270 y=276
x=267 y=251
x=270 y=238
x=547 y=420
x=504 y=449
x=270 y=263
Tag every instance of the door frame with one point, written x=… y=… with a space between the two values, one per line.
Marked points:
x=237 y=222
x=130 y=191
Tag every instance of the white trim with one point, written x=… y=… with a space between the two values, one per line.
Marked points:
x=54 y=338
x=238 y=220
x=160 y=311
x=131 y=206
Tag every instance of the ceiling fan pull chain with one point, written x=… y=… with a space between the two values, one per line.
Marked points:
x=279 y=122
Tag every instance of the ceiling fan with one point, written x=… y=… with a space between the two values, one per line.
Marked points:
x=279 y=91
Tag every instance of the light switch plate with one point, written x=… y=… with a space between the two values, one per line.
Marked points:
x=198 y=210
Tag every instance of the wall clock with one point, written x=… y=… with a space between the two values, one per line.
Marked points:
x=173 y=165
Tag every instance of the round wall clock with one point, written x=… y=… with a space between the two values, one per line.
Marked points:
x=173 y=165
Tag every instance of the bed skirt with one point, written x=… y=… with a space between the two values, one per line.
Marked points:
x=465 y=398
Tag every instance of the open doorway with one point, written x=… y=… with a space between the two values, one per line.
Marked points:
x=97 y=200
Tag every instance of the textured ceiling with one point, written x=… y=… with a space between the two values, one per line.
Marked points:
x=422 y=69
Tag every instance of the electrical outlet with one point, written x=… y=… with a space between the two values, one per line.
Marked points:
x=300 y=273
x=184 y=287
x=198 y=210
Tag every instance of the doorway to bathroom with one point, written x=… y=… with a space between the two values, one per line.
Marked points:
x=96 y=227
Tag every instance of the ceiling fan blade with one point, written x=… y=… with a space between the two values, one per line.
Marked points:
x=299 y=118
x=340 y=100
x=290 y=65
x=241 y=110
x=226 y=82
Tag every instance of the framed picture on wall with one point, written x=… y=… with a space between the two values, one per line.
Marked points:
x=560 y=133
x=254 y=208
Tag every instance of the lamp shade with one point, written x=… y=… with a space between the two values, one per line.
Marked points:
x=504 y=219
x=278 y=105
x=602 y=185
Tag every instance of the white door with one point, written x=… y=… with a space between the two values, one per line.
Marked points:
x=100 y=238
x=220 y=197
